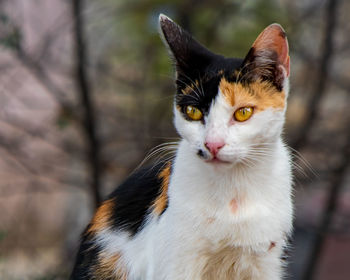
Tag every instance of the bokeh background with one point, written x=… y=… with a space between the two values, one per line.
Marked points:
x=86 y=90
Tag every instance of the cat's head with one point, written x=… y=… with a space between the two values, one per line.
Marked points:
x=229 y=110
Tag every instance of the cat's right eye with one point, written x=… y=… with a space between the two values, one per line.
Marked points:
x=193 y=113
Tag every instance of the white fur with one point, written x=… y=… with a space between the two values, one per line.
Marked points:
x=199 y=223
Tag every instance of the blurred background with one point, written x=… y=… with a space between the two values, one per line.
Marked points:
x=86 y=90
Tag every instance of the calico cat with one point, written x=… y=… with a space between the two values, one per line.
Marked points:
x=222 y=209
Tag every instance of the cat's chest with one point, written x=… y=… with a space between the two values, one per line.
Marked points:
x=213 y=246
x=236 y=221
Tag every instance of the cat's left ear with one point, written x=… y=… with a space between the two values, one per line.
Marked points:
x=190 y=57
x=268 y=58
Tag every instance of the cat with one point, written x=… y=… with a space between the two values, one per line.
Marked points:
x=222 y=209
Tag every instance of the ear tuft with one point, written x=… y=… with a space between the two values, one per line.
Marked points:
x=163 y=17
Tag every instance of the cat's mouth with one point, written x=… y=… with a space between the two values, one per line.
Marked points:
x=216 y=160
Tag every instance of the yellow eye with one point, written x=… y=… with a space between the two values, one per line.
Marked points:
x=194 y=113
x=243 y=114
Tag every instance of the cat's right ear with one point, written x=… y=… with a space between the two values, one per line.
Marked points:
x=190 y=57
x=268 y=58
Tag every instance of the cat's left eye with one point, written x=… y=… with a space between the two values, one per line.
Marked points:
x=243 y=114
x=194 y=113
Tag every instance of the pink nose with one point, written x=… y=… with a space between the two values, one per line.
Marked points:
x=214 y=147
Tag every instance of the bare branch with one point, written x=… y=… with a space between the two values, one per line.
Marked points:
x=86 y=101
x=322 y=77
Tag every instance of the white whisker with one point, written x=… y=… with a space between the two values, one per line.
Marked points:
x=159 y=152
x=304 y=162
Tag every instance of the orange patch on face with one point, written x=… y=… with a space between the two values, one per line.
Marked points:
x=260 y=94
x=233 y=205
x=110 y=267
x=161 y=201
x=102 y=216
x=228 y=91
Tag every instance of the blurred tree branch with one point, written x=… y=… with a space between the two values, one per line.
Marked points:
x=11 y=148
x=321 y=77
x=42 y=76
x=12 y=39
x=86 y=99
x=338 y=174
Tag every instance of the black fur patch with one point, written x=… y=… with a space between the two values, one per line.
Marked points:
x=134 y=198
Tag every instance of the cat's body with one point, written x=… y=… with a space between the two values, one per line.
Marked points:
x=222 y=209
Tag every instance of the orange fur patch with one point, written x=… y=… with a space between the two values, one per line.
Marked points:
x=234 y=205
x=231 y=263
x=161 y=201
x=228 y=262
x=220 y=264
x=110 y=267
x=101 y=220
x=260 y=94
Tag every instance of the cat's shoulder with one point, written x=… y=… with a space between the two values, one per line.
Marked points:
x=126 y=208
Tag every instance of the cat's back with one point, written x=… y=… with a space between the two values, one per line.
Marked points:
x=123 y=214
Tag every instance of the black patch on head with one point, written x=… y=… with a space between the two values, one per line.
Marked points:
x=134 y=197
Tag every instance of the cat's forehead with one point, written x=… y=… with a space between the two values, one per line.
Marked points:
x=218 y=67
x=199 y=87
